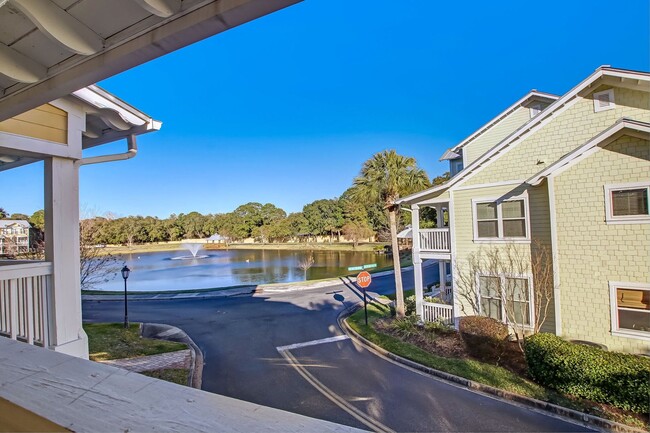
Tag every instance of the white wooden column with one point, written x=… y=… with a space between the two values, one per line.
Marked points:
x=440 y=217
x=442 y=271
x=417 y=261
x=62 y=249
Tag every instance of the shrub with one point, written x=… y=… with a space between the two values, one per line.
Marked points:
x=439 y=328
x=484 y=337
x=619 y=379
x=405 y=327
x=409 y=305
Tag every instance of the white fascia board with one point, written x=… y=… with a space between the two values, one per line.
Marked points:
x=520 y=103
x=540 y=120
x=413 y=198
x=622 y=127
x=101 y=100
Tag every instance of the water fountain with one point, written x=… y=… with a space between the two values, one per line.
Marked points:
x=192 y=247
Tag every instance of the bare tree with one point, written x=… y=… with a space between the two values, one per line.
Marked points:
x=305 y=263
x=357 y=231
x=495 y=282
x=97 y=265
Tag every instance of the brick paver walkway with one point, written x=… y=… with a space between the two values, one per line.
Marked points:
x=179 y=359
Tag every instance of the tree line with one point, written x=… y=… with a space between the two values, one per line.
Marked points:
x=357 y=214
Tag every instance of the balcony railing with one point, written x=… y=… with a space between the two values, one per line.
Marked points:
x=437 y=313
x=435 y=240
x=24 y=289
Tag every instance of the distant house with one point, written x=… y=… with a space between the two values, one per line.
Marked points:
x=14 y=236
x=217 y=239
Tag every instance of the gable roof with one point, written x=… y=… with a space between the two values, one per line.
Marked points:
x=622 y=127
x=7 y=223
x=610 y=76
x=533 y=95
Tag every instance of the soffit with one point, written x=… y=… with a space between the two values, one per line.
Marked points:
x=51 y=48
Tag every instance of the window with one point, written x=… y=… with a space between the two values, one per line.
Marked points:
x=501 y=220
x=627 y=203
x=490 y=297
x=455 y=165
x=630 y=308
x=505 y=297
x=604 y=100
x=536 y=109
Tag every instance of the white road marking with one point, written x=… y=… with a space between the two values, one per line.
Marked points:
x=312 y=343
x=359 y=415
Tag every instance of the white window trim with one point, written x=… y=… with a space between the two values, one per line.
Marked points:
x=615 y=331
x=610 y=106
x=504 y=316
x=628 y=219
x=520 y=240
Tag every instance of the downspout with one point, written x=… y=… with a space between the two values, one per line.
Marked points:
x=130 y=153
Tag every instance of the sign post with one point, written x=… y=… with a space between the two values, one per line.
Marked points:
x=363 y=281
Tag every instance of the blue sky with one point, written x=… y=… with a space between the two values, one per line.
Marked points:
x=285 y=109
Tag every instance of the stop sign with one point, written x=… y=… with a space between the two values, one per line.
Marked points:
x=364 y=279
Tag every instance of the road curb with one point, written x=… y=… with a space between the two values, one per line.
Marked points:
x=574 y=415
x=153 y=330
x=284 y=288
x=162 y=296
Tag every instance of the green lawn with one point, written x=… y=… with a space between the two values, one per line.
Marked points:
x=487 y=374
x=111 y=341
x=174 y=375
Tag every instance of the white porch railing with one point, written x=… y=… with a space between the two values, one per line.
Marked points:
x=23 y=301
x=438 y=313
x=435 y=240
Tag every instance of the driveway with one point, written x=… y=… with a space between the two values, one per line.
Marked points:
x=285 y=350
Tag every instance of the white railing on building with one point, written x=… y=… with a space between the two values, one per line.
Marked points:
x=24 y=289
x=435 y=240
x=438 y=313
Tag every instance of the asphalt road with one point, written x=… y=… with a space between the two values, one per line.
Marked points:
x=338 y=380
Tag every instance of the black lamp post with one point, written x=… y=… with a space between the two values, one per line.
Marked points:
x=125 y=274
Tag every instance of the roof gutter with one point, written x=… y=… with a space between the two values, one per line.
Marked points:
x=132 y=150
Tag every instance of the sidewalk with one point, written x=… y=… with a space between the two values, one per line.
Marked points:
x=178 y=359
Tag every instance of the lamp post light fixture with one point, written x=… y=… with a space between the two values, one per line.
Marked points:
x=125 y=274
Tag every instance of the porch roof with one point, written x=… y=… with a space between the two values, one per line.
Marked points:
x=51 y=48
x=108 y=119
x=87 y=396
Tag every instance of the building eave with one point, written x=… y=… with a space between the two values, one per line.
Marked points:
x=621 y=128
x=134 y=43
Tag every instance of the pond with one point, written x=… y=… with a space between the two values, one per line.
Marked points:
x=173 y=270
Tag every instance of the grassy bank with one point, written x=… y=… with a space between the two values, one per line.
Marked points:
x=488 y=374
x=150 y=248
x=309 y=246
x=111 y=341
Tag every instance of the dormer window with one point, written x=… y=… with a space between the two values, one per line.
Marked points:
x=455 y=165
x=535 y=109
x=604 y=100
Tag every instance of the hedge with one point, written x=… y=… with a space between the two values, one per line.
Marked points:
x=619 y=379
x=484 y=337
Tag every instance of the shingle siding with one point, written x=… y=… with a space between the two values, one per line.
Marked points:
x=484 y=142
x=591 y=252
x=565 y=132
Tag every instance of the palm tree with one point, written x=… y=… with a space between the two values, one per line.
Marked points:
x=384 y=178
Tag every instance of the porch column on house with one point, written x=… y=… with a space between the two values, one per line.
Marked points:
x=442 y=269
x=417 y=261
x=62 y=250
